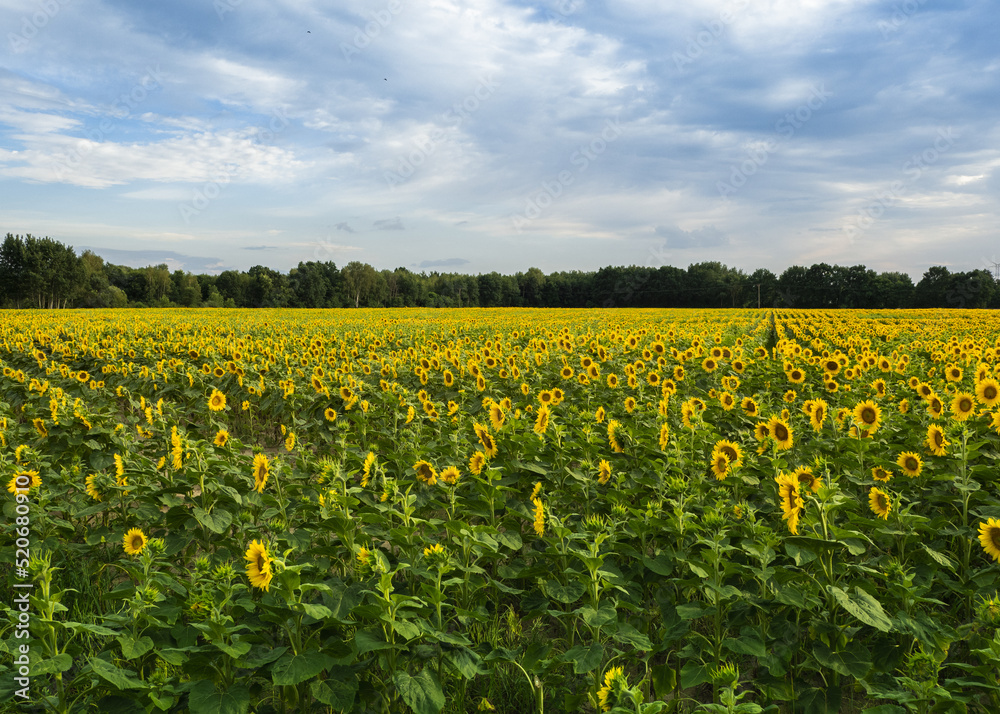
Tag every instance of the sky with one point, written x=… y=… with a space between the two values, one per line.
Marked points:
x=504 y=134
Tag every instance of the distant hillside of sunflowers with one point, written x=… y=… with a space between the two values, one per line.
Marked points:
x=501 y=510
x=44 y=273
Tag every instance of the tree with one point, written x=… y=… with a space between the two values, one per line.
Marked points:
x=360 y=279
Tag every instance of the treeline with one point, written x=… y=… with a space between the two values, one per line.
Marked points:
x=43 y=273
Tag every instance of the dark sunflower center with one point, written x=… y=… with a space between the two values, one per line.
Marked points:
x=868 y=415
x=729 y=452
x=136 y=542
x=780 y=432
x=994 y=537
x=965 y=404
x=911 y=464
x=882 y=502
x=938 y=438
x=990 y=392
x=260 y=561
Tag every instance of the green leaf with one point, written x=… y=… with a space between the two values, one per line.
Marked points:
x=369 y=641
x=849 y=663
x=235 y=650
x=77 y=627
x=465 y=661
x=422 y=693
x=628 y=635
x=510 y=539
x=864 y=607
x=133 y=647
x=565 y=593
x=319 y=612
x=406 y=629
x=693 y=610
x=216 y=522
x=59 y=663
x=585 y=659
x=940 y=558
x=338 y=691
x=751 y=646
x=119 y=678
x=693 y=674
x=598 y=618
x=661 y=564
x=206 y=699
x=293 y=668
x=884 y=709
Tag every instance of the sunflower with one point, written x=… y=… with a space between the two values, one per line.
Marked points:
x=603 y=472
x=476 y=462
x=727 y=400
x=366 y=468
x=761 y=431
x=749 y=406
x=731 y=450
x=330 y=414
x=678 y=373
x=545 y=397
x=539 y=524
x=450 y=475
x=599 y=414
x=790 y=501
x=449 y=378
x=904 y=406
x=962 y=406
x=935 y=440
x=24 y=480
x=217 y=401
x=709 y=364
x=720 y=465
x=261 y=471
x=92 y=491
x=789 y=396
x=497 y=417
x=566 y=372
x=881 y=474
x=610 y=695
x=39 y=425
x=935 y=406
x=807 y=479
x=988 y=392
x=878 y=501
x=259 y=565
x=796 y=375
x=629 y=404
x=868 y=415
x=489 y=445
x=953 y=373
x=542 y=420
x=613 y=436
x=910 y=463
x=134 y=541
x=780 y=432
x=613 y=381
x=664 y=436
x=425 y=472
x=989 y=536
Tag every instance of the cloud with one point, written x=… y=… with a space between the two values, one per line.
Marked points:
x=260 y=247
x=445 y=263
x=344 y=227
x=704 y=237
x=389 y=224
x=174 y=261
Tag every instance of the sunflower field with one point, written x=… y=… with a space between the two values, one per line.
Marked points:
x=226 y=511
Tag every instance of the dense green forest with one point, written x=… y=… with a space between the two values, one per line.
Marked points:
x=43 y=273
